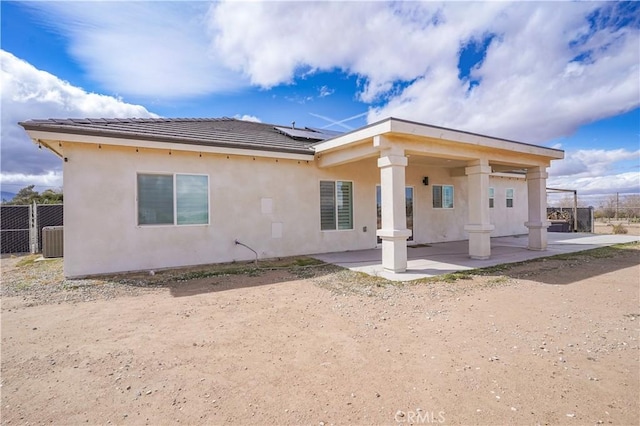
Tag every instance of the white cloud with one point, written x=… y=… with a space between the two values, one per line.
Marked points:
x=31 y=93
x=15 y=181
x=530 y=85
x=590 y=162
x=594 y=172
x=299 y=99
x=325 y=91
x=407 y=55
x=246 y=117
x=272 y=42
x=156 y=50
x=525 y=91
x=624 y=183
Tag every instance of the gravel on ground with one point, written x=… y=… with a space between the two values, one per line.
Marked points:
x=550 y=341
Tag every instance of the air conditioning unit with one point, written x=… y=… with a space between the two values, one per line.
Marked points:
x=52 y=241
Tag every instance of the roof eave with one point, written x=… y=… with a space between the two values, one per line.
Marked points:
x=59 y=131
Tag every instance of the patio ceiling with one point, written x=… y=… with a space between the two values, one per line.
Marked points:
x=455 y=165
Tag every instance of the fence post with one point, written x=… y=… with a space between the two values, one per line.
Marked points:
x=575 y=211
x=33 y=228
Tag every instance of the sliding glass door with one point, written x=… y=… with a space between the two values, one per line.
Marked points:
x=408 y=192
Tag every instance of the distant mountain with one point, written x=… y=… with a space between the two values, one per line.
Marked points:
x=6 y=196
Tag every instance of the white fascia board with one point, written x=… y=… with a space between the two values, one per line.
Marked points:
x=37 y=135
x=367 y=132
x=409 y=128
x=57 y=150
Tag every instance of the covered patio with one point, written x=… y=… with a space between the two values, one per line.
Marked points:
x=426 y=261
x=397 y=144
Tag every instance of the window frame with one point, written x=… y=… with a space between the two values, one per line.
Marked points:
x=510 y=198
x=492 y=197
x=174 y=196
x=336 y=205
x=442 y=197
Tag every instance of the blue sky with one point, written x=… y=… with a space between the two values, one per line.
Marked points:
x=556 y=74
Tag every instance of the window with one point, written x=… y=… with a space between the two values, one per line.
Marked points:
x=509 y=197
x=492 y=193
x=336 y=205
x=442 y=196
x=178 y=199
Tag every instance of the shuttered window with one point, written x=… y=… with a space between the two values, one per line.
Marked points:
x=179 y=199
x=437 y=196
x=442 y=196
x=336 y=205
x=344 y=195
x=492 y=194
x=327 y=205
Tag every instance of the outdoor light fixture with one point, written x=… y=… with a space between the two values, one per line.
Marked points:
x=425 y=180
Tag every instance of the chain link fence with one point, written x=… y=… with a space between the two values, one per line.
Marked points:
x=618 y=207
x=563 y=220
x=47 y=215
x=21 y=226
x=15 y=229
x=607 y=207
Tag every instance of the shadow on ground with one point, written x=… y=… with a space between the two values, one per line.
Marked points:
x=573 y=267
x=252 y=278
x=557 y=270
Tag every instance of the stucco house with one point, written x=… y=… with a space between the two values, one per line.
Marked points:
x=156 y=193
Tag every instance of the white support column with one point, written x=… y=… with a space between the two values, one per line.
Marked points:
x=479 y=226
x=537 y=197
x=394 y=232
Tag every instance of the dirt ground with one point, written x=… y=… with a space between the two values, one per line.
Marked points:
x=545 y=342
x=607 y=227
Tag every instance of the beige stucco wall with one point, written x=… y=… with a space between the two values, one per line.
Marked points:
x=509 y=221
x=439 y=225
x=102 y=235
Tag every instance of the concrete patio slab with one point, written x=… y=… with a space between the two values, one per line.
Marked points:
x=443 y=258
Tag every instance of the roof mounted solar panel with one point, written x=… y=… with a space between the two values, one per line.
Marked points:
x=303 y=133
x=330 y=133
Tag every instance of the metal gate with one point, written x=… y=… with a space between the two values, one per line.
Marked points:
x=563 y=219
x=47 y=215
x=21 y=226
x=15 y=229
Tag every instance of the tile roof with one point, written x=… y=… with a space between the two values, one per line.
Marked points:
x=221 y=132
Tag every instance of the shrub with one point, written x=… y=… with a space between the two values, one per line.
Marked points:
x=619 y=229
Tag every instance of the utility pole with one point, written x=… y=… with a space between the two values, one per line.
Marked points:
x=617 y=203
